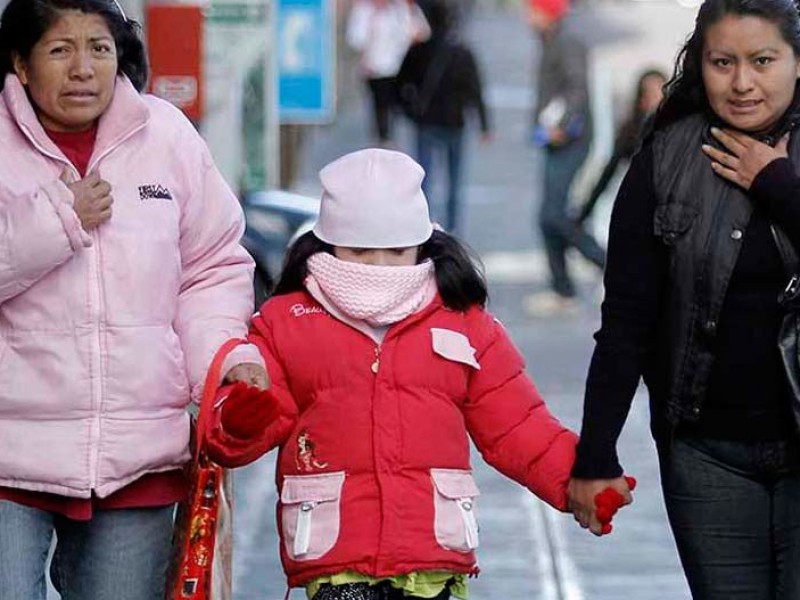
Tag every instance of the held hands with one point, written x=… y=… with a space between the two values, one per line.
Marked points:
x=93 y=199
x=608 y=502
x=594 y=502
x=248 y=411
x=745 y=156
x=249 y=374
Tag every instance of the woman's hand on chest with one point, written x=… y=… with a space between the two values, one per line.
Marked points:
x=744 y=157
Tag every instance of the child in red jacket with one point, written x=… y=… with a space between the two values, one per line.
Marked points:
x=384 y=362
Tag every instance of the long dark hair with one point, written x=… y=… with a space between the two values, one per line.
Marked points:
x=685 y=92
x=24 y=22
x=458 y=275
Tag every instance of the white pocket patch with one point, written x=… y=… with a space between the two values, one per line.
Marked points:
x=311 y=514
x=454 y=346
x=454 y=500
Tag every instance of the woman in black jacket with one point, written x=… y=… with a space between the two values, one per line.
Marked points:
x=692 y=282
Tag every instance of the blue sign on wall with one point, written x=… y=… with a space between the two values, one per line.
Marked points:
x=306 y=60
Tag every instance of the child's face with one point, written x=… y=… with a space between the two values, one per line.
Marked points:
x=385 y=257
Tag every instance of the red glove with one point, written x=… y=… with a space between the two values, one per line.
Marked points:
x=608 y=502
x=247 y=411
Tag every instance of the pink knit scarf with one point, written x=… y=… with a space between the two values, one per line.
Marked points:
x=379 y=295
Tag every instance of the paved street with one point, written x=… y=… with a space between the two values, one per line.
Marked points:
x=527 y=551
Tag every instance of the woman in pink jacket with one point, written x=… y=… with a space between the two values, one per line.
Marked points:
x=121 y=273
x=384 y=362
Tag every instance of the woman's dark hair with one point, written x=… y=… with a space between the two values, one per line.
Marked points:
x=685 y=92
x=458 y=277
x=24 y=22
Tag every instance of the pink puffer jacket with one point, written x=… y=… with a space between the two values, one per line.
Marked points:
x=105 y=336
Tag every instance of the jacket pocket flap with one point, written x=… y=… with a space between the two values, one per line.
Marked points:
x=673 y=218
x=312 y=488
x=455 y=484
x=454 y=346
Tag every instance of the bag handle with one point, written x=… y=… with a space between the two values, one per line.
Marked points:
x=788 y=298
x=210 y=388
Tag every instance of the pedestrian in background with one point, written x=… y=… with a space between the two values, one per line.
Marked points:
x=121 y=273
x=562 y=128
x=384 y=363
x=692 y=286
x=440 y=86
x=382 y=31
x=648 y=96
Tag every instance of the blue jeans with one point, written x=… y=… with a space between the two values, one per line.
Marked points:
x=448 y=143
x=734 y=509
x=559 y=231
x=120 y=554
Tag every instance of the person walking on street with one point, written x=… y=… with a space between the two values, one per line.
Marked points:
x=562 y=128
x=692 y=285
x=440 y=85
x=382 y=31
x=121 y=273
x=648 y=97
x=384 y=363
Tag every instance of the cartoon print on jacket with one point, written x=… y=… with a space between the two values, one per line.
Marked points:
x=306 y=459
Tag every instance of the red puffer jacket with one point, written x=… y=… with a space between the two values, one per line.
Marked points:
x=373 y=471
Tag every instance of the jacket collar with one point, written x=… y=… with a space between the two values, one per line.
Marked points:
x=126 y=115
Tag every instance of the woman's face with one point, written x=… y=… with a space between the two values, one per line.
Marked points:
x=386 y=257
x=652 y=93
x=749 y=72
x=71 y=71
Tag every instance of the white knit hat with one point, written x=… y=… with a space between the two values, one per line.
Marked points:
x=373 y=199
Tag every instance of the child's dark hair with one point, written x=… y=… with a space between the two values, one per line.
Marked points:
x=459 y=277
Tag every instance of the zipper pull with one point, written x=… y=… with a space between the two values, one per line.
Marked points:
x=377 y=364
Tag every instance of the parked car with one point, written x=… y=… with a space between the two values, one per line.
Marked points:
x=275 y=218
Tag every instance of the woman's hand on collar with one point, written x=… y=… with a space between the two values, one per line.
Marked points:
x=743 y=156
